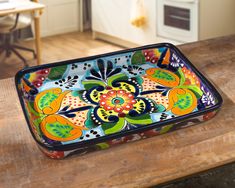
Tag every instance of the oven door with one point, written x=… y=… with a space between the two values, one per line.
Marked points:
x=178 y=19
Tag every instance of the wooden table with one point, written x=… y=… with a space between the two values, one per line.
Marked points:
x=22 y=6
x=139 y=164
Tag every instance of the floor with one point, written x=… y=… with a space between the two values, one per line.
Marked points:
x=57 y=48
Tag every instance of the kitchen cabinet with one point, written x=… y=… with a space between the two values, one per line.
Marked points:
x=192 y=20
x=60 y=16
x=207 y=19
x=111 y=22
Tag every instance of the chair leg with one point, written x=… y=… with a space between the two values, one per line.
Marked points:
x=8 y=52
x=1 y=50
x=7 y=46
x=26 y=49
x=20 y=56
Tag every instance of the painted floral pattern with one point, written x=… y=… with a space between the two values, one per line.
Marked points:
x=82 y=101
x=117 y=101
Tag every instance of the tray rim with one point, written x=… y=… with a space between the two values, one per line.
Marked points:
x=87 y=143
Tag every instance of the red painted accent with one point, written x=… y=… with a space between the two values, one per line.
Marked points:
x=117 y=101
x=122 y=115
x=108 y=88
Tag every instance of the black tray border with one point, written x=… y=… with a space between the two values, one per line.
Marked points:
x=106 y=138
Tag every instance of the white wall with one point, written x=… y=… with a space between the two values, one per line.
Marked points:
x=59 y=16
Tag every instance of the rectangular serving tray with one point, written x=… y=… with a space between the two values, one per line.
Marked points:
x=92 y=103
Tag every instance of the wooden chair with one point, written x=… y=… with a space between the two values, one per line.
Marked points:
x=8 y=26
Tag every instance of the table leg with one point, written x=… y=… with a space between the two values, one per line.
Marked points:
x=38 y=39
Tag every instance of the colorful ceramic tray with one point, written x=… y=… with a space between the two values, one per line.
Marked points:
x=92 y=103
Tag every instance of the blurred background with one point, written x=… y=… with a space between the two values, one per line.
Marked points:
x=78 y=28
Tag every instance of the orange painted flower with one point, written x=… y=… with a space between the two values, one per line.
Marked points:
x=117 y=100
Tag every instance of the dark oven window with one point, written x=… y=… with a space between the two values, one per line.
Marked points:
x=177 y=17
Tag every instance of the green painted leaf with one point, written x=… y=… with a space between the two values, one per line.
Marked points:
x=161 y=74
x=106 y=126
x=78 y=93
x=181 y=76
x=195 y=89
x=39 y=120
x=163 y=77
x=59 y=130
x=139 y=120
x=139 y=80
x=37 y=124
x=116 y=77
x=47 y=99
x=184 y=101
x=32 y=110
x=117 y=127
x=88 y=84
x=138 y=58
x=89 y=123
x=57 y=72
x=160 y=108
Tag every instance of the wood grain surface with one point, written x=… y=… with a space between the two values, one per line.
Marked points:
x=139 y=164
x=56 y=48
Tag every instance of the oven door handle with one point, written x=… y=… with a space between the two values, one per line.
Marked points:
x=185 y=1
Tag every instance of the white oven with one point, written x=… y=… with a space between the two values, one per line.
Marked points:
x=178 y=19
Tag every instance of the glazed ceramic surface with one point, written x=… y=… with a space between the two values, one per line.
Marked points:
x=92 y=103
